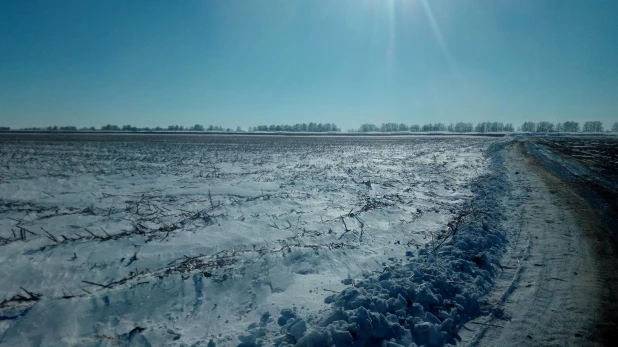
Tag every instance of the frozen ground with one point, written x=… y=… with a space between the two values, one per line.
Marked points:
x=151 y=240
x=549 y=288
x=598 y=154
x=558 y=283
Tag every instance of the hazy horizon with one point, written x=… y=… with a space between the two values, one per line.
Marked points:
x=231 y=64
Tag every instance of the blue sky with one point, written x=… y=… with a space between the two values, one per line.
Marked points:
x=230 y=63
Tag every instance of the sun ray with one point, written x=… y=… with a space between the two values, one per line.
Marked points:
x=391 y=50
x=440 y=37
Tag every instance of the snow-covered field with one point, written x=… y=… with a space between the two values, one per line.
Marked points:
x=151 y=240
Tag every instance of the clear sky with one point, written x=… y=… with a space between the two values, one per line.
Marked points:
x=250 y=62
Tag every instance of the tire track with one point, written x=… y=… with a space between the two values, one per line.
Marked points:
x=551 y=297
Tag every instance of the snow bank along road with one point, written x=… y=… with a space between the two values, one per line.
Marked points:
x=235 y=240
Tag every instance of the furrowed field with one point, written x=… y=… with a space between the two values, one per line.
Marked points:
x=179 y=239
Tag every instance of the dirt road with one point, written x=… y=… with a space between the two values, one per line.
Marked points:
x=558 y=285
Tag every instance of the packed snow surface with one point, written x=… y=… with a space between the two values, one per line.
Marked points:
x=228 y=240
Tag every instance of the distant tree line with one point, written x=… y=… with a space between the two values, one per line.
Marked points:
x=433 y=127
x=566 y=127
x=494 y=127
x=196 y=127
x=460 y=127
x=53 y=128
x=304 y=127
x=593 y=127
x=111 y=127
x=487 y=127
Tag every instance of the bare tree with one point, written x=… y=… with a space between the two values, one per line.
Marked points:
x=593 y=127
x=571 y=127
x=544 y=127
x=528 y=127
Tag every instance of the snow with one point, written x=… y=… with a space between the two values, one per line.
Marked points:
x=425 y=299
x=243 y=240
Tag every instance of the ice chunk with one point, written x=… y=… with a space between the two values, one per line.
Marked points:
x=298 y=329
